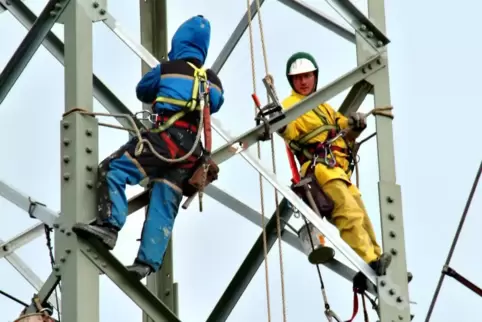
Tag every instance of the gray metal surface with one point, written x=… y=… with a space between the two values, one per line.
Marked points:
x=79 y=158
x=28 y=47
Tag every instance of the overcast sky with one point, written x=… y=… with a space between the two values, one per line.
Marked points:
x=434 y=65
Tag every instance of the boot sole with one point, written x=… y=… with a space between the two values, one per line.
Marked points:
x=86 y=231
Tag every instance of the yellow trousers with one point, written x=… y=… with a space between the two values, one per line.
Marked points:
x=351 y=219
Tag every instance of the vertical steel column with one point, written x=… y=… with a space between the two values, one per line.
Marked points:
x=154 y=38
x=79 y=157
x=394 y=301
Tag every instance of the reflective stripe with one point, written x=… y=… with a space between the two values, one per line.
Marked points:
x=191 y=105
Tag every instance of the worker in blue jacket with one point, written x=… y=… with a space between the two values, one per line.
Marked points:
x=170 y=87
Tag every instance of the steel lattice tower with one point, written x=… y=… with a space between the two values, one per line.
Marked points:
x=79 y=261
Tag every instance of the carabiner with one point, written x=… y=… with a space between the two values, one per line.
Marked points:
x=330 y=314
x=315 y=159
x=151 y=117
x=329 y=158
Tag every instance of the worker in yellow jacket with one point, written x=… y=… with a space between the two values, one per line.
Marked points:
x=333 y=164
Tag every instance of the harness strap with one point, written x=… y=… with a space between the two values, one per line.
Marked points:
x=356 y=305
x=162 y=121
x=192 y=104
x=187 y=106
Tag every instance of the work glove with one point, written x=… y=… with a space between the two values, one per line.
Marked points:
x=357 y=122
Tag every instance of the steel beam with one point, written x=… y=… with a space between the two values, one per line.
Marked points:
x=79 y=158
x=250 y=265
x=118 y=273
x=56 y=47
x=46 y=290
x=33 y=208
x=25 y=237
x=28 y=47
x=390 y=203
x=244 y=141
x=320 y=18
x=23 y=269
x=355 y=98
x=235 y=37
x=364 y=27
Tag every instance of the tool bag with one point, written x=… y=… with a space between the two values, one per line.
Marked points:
x=322 y=201
x=206 y=172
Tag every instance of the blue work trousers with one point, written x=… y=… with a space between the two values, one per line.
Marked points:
x=166 y=181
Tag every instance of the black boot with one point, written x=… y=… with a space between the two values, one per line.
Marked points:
x=139 y=270
x=106 y=234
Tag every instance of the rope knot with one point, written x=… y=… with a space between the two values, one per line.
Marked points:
x=384 y=111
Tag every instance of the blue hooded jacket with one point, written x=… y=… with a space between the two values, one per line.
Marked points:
x=174 y=79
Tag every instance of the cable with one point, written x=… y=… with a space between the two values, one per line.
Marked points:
x=48 y=230
x=454 y=242
x=13 y=298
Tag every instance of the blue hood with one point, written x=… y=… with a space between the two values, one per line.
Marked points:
x=191 y=40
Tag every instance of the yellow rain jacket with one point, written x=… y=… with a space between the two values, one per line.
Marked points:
x=309 y=122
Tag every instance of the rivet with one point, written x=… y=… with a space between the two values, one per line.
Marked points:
x=399 y=299
x=66 y=176
x=62 y=259
x=391 y=292
x=391 y=216
x=66 y=125
x=89 y=168
x=390 y=199
x=392 y=234
x=88 y=150
x=382 y=283
x=379 y=43
x=66 y=159
x=56 y=226
x=68 y=251
x=95 y=5
x=102 y=11
x=66 y=142
x=369 y=34
x=89 y=184
x=88 y=132
x=68 y=233
x=393 y=251
x=62 y=230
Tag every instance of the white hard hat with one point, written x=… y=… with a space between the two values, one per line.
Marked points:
x=301 y=66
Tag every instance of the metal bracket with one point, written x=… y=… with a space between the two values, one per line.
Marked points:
x=96 y=10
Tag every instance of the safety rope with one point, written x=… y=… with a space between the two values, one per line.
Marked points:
x=258 y=147
x=139 y=149
x=273 y=162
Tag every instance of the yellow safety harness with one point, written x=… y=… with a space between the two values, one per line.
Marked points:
x=306 y=151
x=191 y=105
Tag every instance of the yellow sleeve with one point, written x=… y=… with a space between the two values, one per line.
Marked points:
x=291 y=131
x=340 y=119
